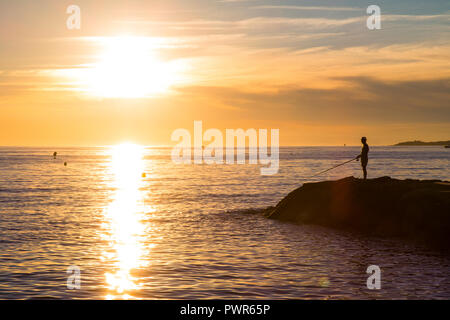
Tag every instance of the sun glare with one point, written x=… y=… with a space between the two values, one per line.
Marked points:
x=129 y=68
x=123 y=227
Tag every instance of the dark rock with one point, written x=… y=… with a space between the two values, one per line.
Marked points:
x=418 y=210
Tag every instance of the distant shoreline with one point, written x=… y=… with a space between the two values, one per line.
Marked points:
x=407 y=143
x=438 y=143
x=422 y=143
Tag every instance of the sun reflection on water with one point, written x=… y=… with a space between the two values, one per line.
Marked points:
x=124 y=227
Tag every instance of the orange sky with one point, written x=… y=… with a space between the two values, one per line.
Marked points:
x=140 y=70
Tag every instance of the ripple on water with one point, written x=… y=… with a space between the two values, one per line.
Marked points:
x=180 y=233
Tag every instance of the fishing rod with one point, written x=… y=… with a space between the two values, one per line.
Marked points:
x=341 y=164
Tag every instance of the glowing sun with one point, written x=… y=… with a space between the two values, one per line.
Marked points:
x=128 y=68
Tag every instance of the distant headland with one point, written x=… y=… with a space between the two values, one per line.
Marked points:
x=422 y=143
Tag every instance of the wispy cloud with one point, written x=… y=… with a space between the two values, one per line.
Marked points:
x=365 y=99
x=404 y=17
x=308 y=8
x=266 y=23
x=236 y=0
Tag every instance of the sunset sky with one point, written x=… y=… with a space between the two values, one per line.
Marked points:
x=138 y=70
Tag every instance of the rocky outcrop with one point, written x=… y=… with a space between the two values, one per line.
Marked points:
x=413 y=209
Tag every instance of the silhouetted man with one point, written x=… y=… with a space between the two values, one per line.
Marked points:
x=364 y=156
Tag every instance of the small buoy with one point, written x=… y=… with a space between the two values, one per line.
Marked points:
x=144 y=174
x=65 y=164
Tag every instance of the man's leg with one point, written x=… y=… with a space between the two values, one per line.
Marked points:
x=365 y=170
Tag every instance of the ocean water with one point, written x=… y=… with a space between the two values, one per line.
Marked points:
x=182 y=231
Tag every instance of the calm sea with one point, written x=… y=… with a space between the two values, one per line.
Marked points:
x=179 y=231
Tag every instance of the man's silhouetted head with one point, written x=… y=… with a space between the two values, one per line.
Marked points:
x=364 y=140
